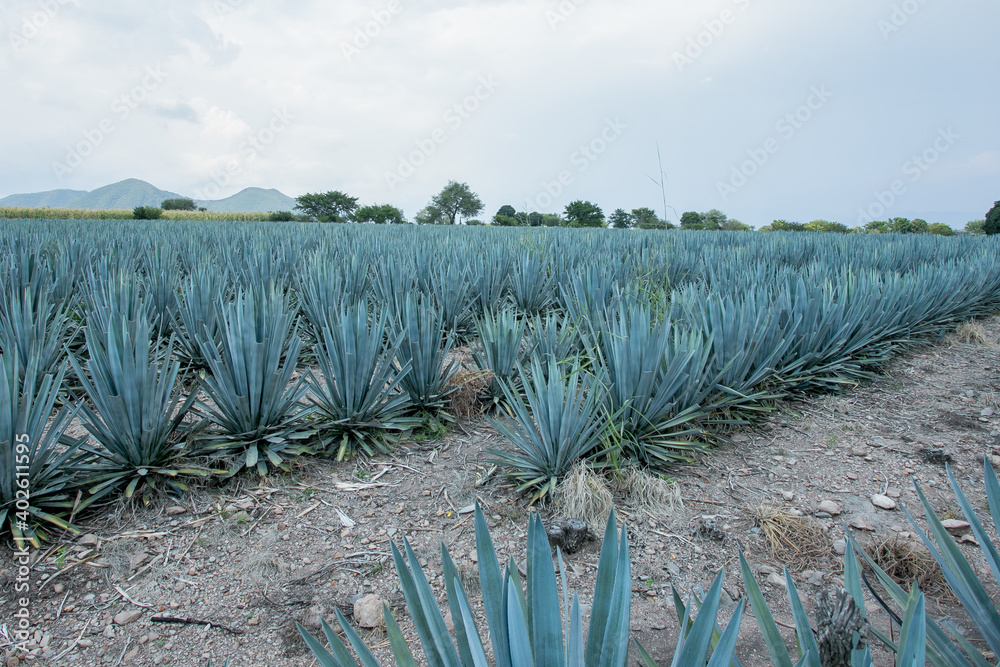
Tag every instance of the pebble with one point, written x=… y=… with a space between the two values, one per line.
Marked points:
x=368 y=611
x=776 y=579
x=58 y=588
x=861 y=524
x=955 y=525
x=788 y=496
x=883 y=502
x=840 y=547
x=830 y=507
x=859 y=451
x=129 y=616
x=893 y=492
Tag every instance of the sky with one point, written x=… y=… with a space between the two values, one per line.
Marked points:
x=846 y=111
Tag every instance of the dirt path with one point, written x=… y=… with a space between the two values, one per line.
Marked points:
x=255 y=558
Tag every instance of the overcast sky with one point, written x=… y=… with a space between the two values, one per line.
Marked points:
x=779 y=109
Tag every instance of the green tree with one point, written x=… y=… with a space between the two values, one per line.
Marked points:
x=940 y=229
x=992 y=224
x=646 y=218
x=581 y=213
x=975 y=227
x=551 y=220
x=333 y=206
x=691 y=220
x=456 y=202
x=620 y=219
x=907 y=226
x=783 y=226
x=181 y=204
x=734 y=225
x=429 y=215
x=379 y=214
x=146 y=213
x=280 y=216
x=505 y=221
x=826 y=226
x=877 y=227
x=507 y=210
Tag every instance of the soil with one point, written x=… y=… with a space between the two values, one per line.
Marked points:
x=252 y=557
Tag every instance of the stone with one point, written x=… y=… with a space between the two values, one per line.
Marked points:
x=883 y=502
x=955 y=525
x=128 y=616
x=840 y=547
x=109 y=632
x=776 y=579
x=569 y=535
x=830 y=507
x=861 y=524
x=58 y=588
x=175 y=510
x=893 y=492
x=368 y=612
x=89 y=540
x=788 y=496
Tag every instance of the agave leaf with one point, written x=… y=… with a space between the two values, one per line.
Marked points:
x=775 y=644
x=696 y=641
x=319 y=651
x=546 y=626
x=400 y=651
x=517 y=629
x=367 y=659
x=912 y=641
x=492 y=585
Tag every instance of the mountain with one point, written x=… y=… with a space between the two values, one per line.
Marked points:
x=251 y=199
x=132 y=192
x=125 y=194
x=50 y=199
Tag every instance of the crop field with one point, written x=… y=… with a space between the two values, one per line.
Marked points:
x=139 y=360
x=231 y=349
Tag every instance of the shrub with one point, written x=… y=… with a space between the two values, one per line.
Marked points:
x=992 y=224
x=182 y=204
x=146 y=213
x=281 y=216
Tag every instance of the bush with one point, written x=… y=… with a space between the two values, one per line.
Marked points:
x=147 y=213
x=992 y=225
x=181 y=204
x=280 y=216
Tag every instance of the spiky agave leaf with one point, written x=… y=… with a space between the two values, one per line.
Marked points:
x=559 y=421
x=424 y=346
x=34 y=467
x=501 y=347
x=357 y=399
x=31 y=324
x=255 y=406
x=196 y=317
x=136 y=407
x=532 y=286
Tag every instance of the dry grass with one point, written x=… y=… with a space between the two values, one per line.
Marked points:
x=17 y=212
x=265 y=566
x=797 y=542
x=970 y=332
x=906 y=561
x=650 y=492
x=585 y=495
x=466 y=402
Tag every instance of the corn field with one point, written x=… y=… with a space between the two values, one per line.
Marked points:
x=17 y=212
x=231 y=349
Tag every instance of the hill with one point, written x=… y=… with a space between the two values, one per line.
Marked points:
x=251 y=200
x=49 y=199
x=125 y=194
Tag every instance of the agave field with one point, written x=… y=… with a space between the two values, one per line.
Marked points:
x=221 y=349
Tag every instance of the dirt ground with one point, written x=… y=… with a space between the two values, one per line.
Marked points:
x=253 y=557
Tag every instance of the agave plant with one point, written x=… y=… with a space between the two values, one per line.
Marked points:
x=562 y=422
x=358 y=403
x=556 y=337
x=138 y=408
x=255 y=405
x=31 y=324
x=531 y=284
x=196 y=317
x=162 y=276
x=38 y=475
x=501 y=347
x=524 y=629
x=424 y=347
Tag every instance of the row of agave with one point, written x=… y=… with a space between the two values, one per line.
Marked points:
x=172 y=351
x=530 y=624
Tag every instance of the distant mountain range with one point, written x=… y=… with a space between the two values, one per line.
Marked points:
x=132 y=192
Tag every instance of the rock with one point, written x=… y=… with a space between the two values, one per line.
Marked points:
x=968 y=537
x=312 y=618
x=816 y=579
x=89 y=540
x=988 y=412
x=830 y=507
x=449 y=622
x=840 y=547
x=767 y=569
x=128 y=616
x=861 y=524
x=673 y=569
x=368 y=612
x=934 y=455
x=138 y=559
x=109 y=632
x=788 y=496
x=883 y=502
x=85 y=643
x=893 y=492
x=859 y=451
x=58 y=588
x=569 y=535
x=776 y=579
x=708 y=528
x=175 y=510
x=955 y=526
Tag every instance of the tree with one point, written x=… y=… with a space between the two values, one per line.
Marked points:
x=583 y=214
x=783 y=226
x=181 y=204
x=734 y=225
x=620 y=219
x=826 y=226
x=505 y=221
x=992 y=225
x=429 y=215
x=456 y=201
x=975 y=227
x=280 y=216
x=940 y=229
x=712 y=220
x=379 y=214
x=146 y=213
x=646 y=218
x=877 y=227
x=691 y=220
x=333 y=206
x=551 y=220
x=508 y=211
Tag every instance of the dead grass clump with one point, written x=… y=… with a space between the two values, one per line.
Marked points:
x=797 y=542
x=906 y=561
x=585 y=495
x=265 y=566
x=466 y=401
x=970 y=332
x=650 y=492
